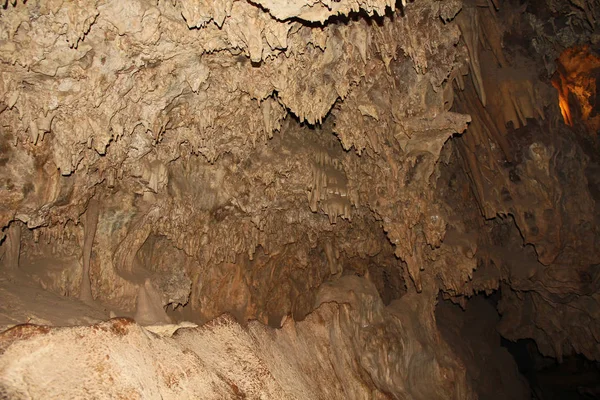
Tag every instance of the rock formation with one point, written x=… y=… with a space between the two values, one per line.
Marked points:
x=322 y=173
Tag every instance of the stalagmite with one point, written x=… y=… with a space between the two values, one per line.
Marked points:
x=149 y=307
x=90 y=225
x=13 y=246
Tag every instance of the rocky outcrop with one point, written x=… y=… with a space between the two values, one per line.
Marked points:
x=350 y=347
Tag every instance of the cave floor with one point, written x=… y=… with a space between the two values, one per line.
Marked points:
x=25 y=301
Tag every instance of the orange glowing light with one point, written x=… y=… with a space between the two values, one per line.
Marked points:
x=563 y=99
x=564 y=110
x=575 y=78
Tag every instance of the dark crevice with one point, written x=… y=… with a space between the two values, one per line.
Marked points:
x=576 y=378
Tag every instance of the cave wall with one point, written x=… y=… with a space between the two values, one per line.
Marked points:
x=533 y=171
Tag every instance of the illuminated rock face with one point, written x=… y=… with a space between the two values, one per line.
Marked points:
x=176 y=161
x=336 y=352
x=576 y=75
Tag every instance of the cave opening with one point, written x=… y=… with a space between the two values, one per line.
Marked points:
x=346 y=199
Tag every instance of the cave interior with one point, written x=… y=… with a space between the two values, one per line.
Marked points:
x=299 y=199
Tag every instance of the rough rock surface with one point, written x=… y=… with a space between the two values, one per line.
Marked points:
x=194 y=158
x=541 y=177
x=336 y=352
x=165 y=129
x=472 y=335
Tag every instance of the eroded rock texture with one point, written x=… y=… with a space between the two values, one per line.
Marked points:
x=334 y=353
x=541 y=177
x=195 y=158
x=165 y=129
